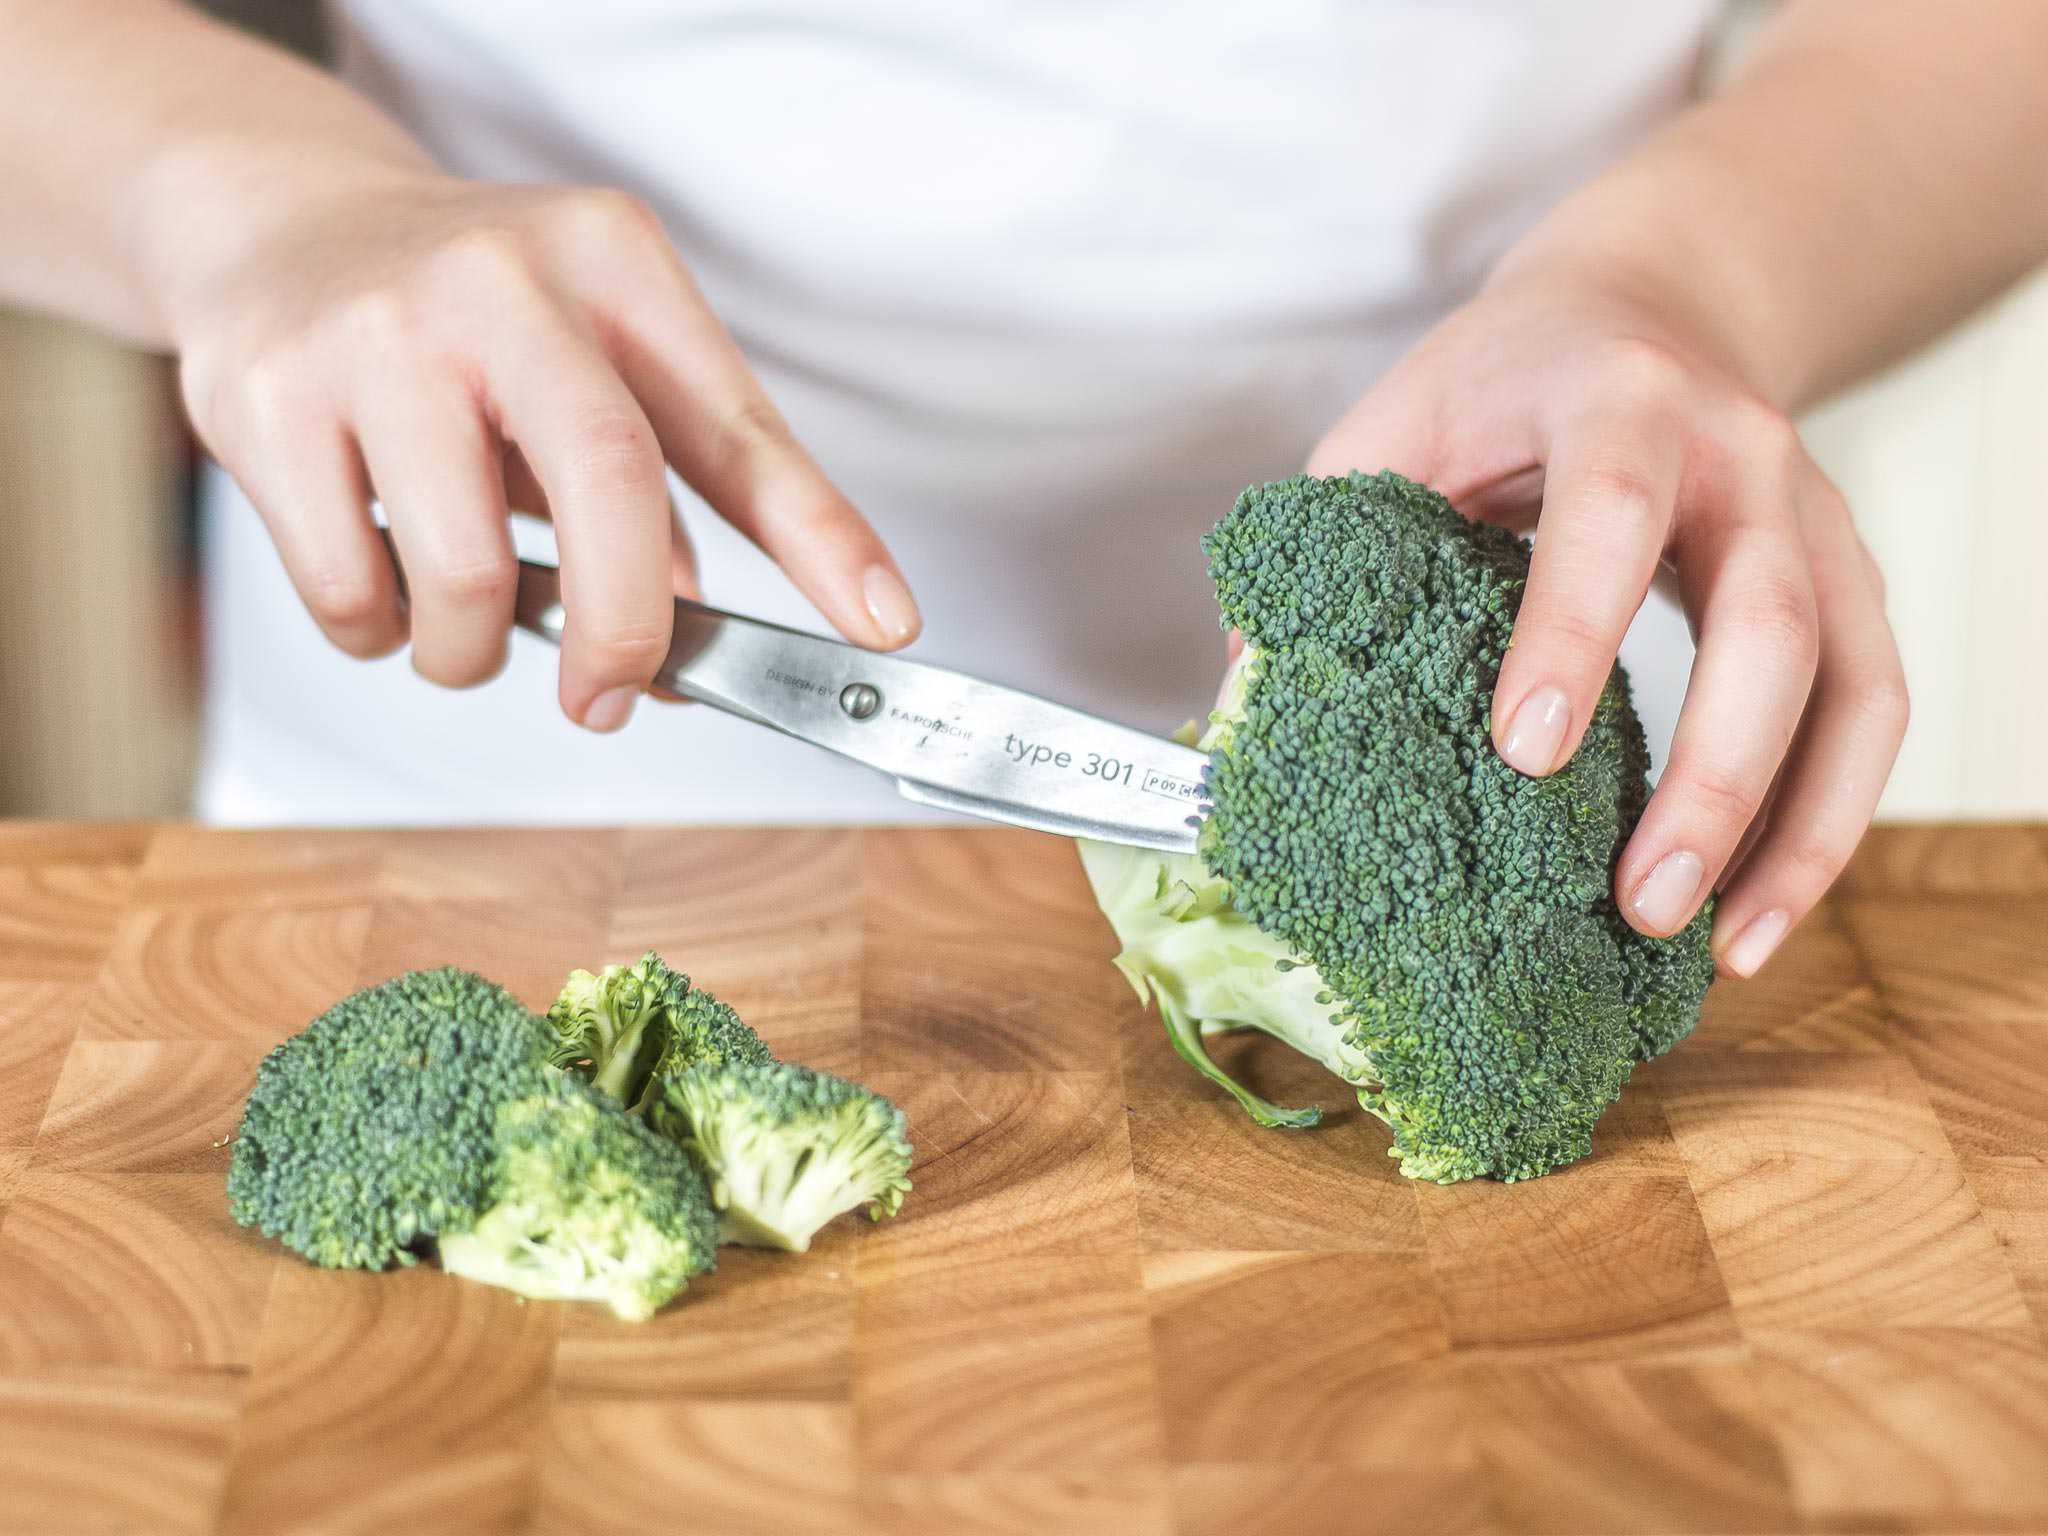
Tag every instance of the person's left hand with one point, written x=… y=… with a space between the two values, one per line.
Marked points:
x=1587 y=406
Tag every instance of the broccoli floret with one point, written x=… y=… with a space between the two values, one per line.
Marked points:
x=371 y=1131
x=424 y=1112
x=587 y=1204
x=1372 y=884
x=629 y=1026
x=786 y=1148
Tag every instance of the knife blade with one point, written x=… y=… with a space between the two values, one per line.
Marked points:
x=947 y=739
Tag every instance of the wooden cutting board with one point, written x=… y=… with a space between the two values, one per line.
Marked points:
x=1803 y=1285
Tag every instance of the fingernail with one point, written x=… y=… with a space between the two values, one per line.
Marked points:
x=1537 y=732
x=611 y=709
x=890 y=604
x=1753 y=946
x=1665 y=897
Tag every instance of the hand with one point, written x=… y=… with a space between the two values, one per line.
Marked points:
x=1571 y=400
x=454 y=349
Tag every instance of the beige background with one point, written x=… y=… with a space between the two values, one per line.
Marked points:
x=1944 y=458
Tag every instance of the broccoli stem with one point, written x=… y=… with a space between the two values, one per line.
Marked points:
x=1186 y=1035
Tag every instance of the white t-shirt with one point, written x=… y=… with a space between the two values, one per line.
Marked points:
x=1042 y=286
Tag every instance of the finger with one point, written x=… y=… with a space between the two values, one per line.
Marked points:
x=293 y=456
x=1608 y=495
x=684 y=576
x=435 y=467
x=728 y=441
x=525 y=496
x=315 y=502
x=1745 y=580
x=1838 y=768
x=596 y=456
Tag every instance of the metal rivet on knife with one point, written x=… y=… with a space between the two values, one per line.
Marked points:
x=860 y=700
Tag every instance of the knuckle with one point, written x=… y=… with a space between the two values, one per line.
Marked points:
x=491 y=257
x=629 y=647
x=343 y=600
x=1809 y=864
x=610 y=449
x=1723 y=797
x=1757 y=429
x=378 y=321
x=613 y=216
x=270 y=393
x=1624 y=492
x=1573 y=632
x=1884 y=700
x=754 y=424
x=1781 y=613
x=474 y=581
x=749 y=430
x=1646 y=372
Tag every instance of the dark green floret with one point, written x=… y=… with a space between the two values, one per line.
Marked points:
x=372 y=1130
x=786 y=1148
x=423 y=1115
x=1373 y=885
x=627 y=1027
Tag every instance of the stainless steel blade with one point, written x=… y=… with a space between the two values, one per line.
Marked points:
x=946 y=739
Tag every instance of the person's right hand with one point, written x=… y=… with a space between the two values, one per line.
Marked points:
x=452 y=349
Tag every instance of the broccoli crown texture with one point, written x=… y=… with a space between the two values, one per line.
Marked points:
x=424 y=1114
x=586 y=1204
x=1466 y=967
x=372 y=1130
x=786 y=1148
x=627 y=1027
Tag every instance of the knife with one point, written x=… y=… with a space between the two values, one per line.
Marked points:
x=948 y=740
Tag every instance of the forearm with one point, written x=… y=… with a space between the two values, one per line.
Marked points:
x=139 y=140
x=1877 y=169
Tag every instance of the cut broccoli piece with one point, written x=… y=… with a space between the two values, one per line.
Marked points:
x=587 y=1204
x=425 y=1109
x=786 y=1148
x=371 y=1130
x=628 y=1026
x=1372 y=884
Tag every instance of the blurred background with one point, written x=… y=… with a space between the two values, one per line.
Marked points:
x=1944 y=459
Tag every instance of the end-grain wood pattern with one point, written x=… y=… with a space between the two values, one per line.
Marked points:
x=1802 y=1286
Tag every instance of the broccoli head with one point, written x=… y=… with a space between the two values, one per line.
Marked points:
x=1372 y=884
x=586 y=1204
x=786 y=1148
x=629 y=1026
x=371 y=1131
x=425 y=1112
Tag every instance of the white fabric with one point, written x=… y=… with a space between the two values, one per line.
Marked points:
x=1042 y=285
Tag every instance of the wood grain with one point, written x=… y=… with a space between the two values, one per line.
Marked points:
x=1802 y=1285
x=90 y=1451
x=1578 y=1450
x=148 y=1106
x=1338 y=1357
x=1284 y=1499
x=128 y=1271
x=1940 y=1429
x=37 y=1023
x=256 y=974
x=720 y=1469
x=1590 y=1263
